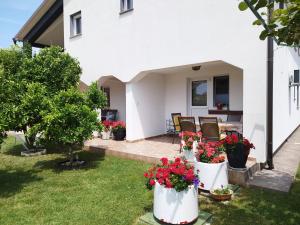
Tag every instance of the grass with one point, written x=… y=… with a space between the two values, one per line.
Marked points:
x=111 y=191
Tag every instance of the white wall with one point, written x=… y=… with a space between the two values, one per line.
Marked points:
x=160 y=34
x=117 y=96
x=286 y=115
x=145 y=102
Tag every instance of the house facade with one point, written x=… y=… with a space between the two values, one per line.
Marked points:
x=158 y=57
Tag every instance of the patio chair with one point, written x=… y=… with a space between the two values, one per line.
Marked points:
x=187 y=123
x=209 y=128
x=176 y=125
x=234 y=118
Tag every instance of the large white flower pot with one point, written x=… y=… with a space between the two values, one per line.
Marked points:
x=212 y=175
x=175 y=207
x=189 y=155
x=105 y=135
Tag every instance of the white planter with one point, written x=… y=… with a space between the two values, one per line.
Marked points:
x=95 y=134
x=189 y=155
x=175 y=207
x=212 y=175
x=105 y=135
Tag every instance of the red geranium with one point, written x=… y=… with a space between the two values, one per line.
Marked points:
x=188 y=139
x=209 y=153
x=107 y=125
x=116 y=125
x=231 y=141
x=176 y=174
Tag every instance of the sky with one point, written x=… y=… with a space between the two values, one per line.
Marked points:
x=13 y=15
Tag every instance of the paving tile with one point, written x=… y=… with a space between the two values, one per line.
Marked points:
x=148 y=219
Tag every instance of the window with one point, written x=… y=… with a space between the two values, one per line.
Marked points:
x=199 y=93
x=221 y=90
x=126 y=5
x=76 y=24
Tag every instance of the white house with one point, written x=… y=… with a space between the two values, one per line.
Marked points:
x=152 y=54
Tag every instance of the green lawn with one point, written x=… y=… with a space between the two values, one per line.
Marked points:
x=111 y=191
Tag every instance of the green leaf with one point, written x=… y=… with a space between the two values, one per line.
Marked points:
x=243 y=6
x=257 y=22
x=261 y=4
x=263 y=35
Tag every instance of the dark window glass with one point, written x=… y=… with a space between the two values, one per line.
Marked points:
x=78 y=25
x=126 y=5
x=199 y=93
x=221 y=90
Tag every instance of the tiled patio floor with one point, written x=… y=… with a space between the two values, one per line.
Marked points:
x=150 y=150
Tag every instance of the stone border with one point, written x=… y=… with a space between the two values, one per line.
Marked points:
x=31 y=152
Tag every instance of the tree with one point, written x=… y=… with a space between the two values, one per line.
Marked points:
x=281 y=23
x=29 y=83
x=96 y=99
x=69 y=121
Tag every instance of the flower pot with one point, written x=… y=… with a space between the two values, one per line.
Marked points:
x=105 y=135
x=212 y=175
x=237 y=157
x=189 y=155
x=221 y=197
x=175 y=207
x=119 y=134
x=95 y=134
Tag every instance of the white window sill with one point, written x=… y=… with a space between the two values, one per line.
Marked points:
x=126 y=11
x=75 y=36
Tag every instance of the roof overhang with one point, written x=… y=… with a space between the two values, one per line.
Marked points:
x=45 y=26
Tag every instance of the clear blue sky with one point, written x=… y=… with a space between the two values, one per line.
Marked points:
x=13 y=15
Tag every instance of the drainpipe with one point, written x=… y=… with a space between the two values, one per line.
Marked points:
x=270 y=67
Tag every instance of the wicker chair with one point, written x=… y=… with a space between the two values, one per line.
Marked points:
x=187 y=123
x=176 y=125
x=209 y=128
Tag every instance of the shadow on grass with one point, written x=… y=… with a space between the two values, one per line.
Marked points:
x=257 y=206
x=92 y=160
x=13 y=182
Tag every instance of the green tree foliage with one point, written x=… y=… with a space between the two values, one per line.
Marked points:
x=53 y=68
x=69 y=120
x=38 y=95
x=283 y=23
x=96 y=98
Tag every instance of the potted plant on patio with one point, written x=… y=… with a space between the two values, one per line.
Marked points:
x=221 y=194
x=118 y=130
x=105 y=133
x=189 y=142
x=211 y=165
x=237 y=149
x=175 y=191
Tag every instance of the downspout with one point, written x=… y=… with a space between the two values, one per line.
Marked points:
x=270 y=67
x=270 y=78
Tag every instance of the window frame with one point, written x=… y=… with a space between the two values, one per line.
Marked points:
x=124 y=8
x=73 y=24
x=214 y=89
x=191 y=91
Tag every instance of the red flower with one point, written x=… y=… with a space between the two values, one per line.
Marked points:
x=164 y=161
x=152 y=182
x=146 y=175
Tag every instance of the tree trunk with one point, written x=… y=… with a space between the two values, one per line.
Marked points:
x=71 y=155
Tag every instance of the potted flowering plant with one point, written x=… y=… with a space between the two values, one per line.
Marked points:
x=237 y=149
x=106 y=129
x=221 y=194
x=219 y=106
x=189 y=142
x=212 y=166
x=175 y=191
x=119 y=130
